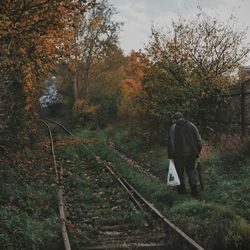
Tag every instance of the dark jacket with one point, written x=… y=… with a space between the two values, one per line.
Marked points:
x=184 y=140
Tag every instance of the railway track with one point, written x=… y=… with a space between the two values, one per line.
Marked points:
x=59 y=183
x=112 y=237
x=143 y=204
x=133 y=163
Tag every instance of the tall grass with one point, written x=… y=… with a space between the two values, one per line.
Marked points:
x=219 y=219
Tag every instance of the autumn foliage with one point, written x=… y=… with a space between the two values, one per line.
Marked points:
x=35 y=35
x=192 y=65
x=131 y=89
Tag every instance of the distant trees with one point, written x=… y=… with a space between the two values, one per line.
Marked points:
x=131 y=88
x=94 y=76
x=105 y=92
x=193 y=64
x=186 y=68
x=97 y=35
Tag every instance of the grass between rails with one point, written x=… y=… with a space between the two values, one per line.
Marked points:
x=29 y=216
x=94 y=199
x=153 y=159
x=143 y=183
x=220 y=222
x=29 y=205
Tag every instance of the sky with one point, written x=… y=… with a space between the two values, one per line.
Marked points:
x=139 y=16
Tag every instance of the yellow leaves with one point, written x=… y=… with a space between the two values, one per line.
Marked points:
x=132 y=86
x=35 y=35
x=29 y=87
x=47 y=30
x=96 y=22
x=83 y=106
x=5 y=27
x=28 y=103
x=23 y=51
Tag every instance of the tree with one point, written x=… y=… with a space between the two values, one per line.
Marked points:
x=194 y=64
x=132 y=86
x=94 y=86
x=105 y=92
x=97 y=34
x=35 y=35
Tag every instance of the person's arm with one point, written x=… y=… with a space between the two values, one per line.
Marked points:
x=171 y=142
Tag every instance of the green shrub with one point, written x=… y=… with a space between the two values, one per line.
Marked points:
x=19 y=231
x=231 y=159
x=245 y=149
x=84 y=113
x=215 y=226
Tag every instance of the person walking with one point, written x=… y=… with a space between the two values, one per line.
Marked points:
x=184 y=147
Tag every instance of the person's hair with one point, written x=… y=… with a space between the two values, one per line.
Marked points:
x=178 y=115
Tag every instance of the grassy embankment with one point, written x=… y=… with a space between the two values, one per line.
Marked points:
x=29 y=208
x=28 y=201
x=29 y=216
x=220 y=219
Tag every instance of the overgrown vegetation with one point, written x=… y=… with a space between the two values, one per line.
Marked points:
x=219 y=220
x=190 y=67
x=94 y=199
x=29 y=206
x=28 y=214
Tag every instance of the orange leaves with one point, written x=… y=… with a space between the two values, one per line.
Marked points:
x=38 y=29
x=69 y=140
x=35 y=35
x=29 y=86
x=96 y=22
x=81 y=106
x=132 y=86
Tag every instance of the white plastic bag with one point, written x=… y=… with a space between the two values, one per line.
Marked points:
x=173 y=178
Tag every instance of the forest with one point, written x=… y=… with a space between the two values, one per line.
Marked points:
x=62 y=60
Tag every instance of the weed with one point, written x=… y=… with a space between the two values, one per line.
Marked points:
x=201 y=221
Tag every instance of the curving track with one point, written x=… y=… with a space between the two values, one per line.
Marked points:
x=140 y=202
x=58 y=177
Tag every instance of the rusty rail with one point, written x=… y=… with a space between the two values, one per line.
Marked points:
x=61 y=206
x=137 y=197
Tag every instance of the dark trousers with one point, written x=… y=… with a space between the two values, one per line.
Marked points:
x=189 y=165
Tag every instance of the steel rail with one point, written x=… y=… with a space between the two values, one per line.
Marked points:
x=170 y=224
x=151 y=206
x=114 y=147
x=60 y=125
x=52 y=149
x=121 y=181
x=60 y=191
x=133 y=193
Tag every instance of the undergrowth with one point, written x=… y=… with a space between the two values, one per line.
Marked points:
x=29 y=205
x=219 y=219
x=28 y=202
x=94 y=198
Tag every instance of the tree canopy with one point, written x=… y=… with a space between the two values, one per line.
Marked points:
x=34 y=36
x=192 y=65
